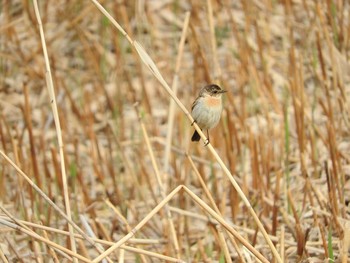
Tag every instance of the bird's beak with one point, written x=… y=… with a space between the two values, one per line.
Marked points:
x=223 y=91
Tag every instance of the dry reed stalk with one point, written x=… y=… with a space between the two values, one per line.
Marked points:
x=223 y=245
x=297 y=100
x=48 y=200
x=2 y=256
x=28 y=224
x=174 y=87
x=100 y=241
x=148 y=180
x=128 y=165
x=282 y=245
x=36 y=252
x=2 y=134
x=324 y=241
x=83 y=249
x=345 y=244
x=160 y=185
x=121 y=255
x=13 y=248
x=213 y=204
x=126 y=20
x=216 y=67
x=64 y=251
x=336 y=82
x=331 y=184
x=91 y=232
x=28 y=121
x=91 y=134
x=138 y=226
x=102 y=230
x=72 y=101
x=51 y=90
x=276 y=204
x=316 y=221
x=201 y=249
x=52 y=252
x=200 y=60
x=300 y=235
x=224 y=224
x=123 y=219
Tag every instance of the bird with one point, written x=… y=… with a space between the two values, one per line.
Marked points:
x=206 y=109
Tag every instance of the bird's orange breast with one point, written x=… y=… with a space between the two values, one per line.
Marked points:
x=212 y=101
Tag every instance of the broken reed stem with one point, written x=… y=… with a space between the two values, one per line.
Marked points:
x=49 y=201
x=77 y=236
x=138 y=226
x=51 y=90
x=123 y=219
x=23 y=226
x=48 y=242
x=153 y=68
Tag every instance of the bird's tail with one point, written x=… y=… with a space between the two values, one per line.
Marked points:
x=195 y=137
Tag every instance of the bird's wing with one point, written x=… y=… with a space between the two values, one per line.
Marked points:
x=195 y=102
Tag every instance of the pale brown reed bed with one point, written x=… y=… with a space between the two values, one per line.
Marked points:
x=119 y=174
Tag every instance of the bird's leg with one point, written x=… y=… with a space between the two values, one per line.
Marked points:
x=193 y=122
x=208 y=139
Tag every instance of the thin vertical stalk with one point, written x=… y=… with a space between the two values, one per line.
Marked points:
x=217 y=69
x=160 y=184
x=174 y=88
x=51 y=90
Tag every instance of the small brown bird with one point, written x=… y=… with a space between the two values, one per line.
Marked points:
x=207 y=108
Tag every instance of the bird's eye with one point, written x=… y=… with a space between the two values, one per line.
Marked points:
x=215 y=91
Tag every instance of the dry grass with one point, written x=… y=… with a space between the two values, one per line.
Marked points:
x=96 y=159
